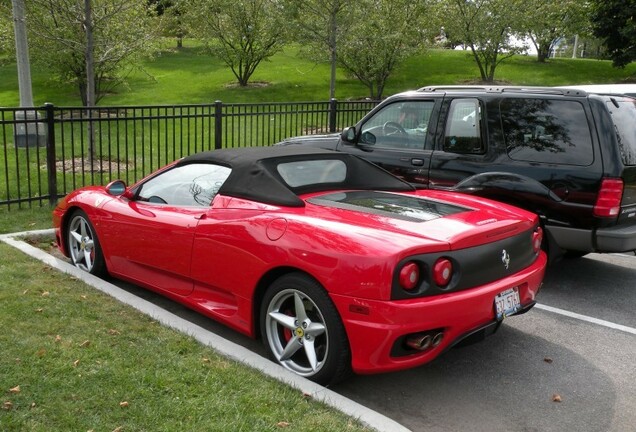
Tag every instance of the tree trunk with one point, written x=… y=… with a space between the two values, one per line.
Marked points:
x=543 y=51
x=334 y=57
x=480 y=64
x=90 y=75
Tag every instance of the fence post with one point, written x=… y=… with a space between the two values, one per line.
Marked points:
x=50 y=153
x=218 y=125
x=333 y=110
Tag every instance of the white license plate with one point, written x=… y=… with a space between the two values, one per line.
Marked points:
x=507 y=303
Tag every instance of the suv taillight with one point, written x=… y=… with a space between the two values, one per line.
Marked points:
x=608 y=202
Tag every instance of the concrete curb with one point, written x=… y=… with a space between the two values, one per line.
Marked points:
x=366 y=416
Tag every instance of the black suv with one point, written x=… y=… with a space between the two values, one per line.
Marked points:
x=565 y=154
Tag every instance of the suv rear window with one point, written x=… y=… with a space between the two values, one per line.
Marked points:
x=623 y=113
x=544 y=130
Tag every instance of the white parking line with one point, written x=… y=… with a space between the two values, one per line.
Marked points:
x=587 y=318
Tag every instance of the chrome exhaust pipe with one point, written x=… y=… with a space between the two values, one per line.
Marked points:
x=419 y=342
x=437 y=339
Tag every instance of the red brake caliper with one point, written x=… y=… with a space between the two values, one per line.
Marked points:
x=287 y=333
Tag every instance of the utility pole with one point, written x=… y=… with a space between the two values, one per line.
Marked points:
x=576 y=46
x=22 y=53
x=27 y=131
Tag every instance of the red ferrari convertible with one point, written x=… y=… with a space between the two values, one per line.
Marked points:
x=336 y=264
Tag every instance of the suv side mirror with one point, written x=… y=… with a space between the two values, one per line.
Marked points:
x=348 y=134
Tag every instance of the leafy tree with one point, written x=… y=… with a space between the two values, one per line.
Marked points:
x=547 y=22
x=123 y=32
x=486 y=27
x=6 y=28
x=614 y=21
x=242 y=33
x=320 y=26
x=384 y=33
x=173 y=22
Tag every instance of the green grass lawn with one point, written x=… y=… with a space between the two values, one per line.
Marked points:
x=190 y=75
x=74 y=359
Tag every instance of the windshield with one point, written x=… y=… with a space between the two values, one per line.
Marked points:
x=623 y=113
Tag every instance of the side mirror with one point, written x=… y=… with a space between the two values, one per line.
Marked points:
x=368 y=138
x=117 y=188
x=348 y=134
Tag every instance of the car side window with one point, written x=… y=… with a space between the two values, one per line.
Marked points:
x=400 y=125
x=463 y=127
x=546 y=130
x=187 y=185
x=623 y=114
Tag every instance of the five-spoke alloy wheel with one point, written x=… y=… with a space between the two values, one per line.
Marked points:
x=303 y=331
x=83 y=245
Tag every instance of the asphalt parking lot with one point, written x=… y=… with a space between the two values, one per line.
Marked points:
x=567 y=365
x=509 y=381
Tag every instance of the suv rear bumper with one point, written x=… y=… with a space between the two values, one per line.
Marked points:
x=621 y=238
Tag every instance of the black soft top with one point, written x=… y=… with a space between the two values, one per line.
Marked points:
x=255 y=176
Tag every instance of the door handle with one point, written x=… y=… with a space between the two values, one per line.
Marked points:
x=417 y=162
x=201 y=216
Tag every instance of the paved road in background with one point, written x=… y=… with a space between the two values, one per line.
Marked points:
x=508 y=381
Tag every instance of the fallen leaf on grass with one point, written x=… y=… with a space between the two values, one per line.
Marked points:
x=556 y=398
x=76 y=363
x=45 y=294
x=25 y=292
x=33 y=405
x=38 y=310
x=306 y=395
x=15 y=389
x=124 y=404
x=85 y=344
x=41 y=352
x=205 y=360
x=282 y=424
x=118 y=429
x=113 y=332
x=7 y=406
x=83 y=297
x=58 y=338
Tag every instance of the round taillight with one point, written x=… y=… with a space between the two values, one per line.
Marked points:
x=442 y=272
x=409 y=276
x=537 y=239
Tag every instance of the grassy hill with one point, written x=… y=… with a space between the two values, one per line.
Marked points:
x=190 y=76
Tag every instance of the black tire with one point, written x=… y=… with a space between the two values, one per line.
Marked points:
x=295 y=333
x=83 y=245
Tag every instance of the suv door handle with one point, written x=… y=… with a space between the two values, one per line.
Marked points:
x=417 y=162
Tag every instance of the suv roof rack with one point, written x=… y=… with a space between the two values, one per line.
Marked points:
x=506 y=89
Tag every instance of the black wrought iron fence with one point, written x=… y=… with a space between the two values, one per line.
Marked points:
x=49 y=151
